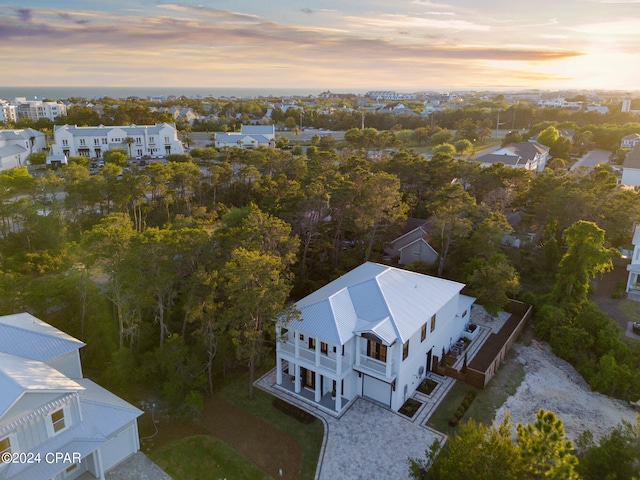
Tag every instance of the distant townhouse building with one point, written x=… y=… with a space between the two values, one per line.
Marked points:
x=155 y=141
x=37 y=109
x=528 y=155
x=16 y=145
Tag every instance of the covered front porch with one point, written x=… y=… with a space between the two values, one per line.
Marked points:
x=327 y=403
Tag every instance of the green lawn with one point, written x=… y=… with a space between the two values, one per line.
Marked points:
x=309 y=437
x=630 y=309
x=205 y=457
x=483 y=409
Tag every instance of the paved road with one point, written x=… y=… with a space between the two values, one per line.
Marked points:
x=591 y=159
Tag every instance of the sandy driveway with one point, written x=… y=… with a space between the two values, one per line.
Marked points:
x=553 y=384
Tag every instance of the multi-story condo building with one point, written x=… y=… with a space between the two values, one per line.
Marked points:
x=37 y=109
x=156 y=141
x=7 y=112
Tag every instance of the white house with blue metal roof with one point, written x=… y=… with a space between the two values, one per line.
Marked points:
x=155 y=141
x=374 y=332
x=54 y=423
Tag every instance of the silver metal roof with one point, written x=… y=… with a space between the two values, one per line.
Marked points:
x=373 y=293
x=26 y=336
x=19 y=375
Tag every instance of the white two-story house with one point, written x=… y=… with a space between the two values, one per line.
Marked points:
x=154 y=141
x=374 y=332
x=633 y=280
x=55 y=424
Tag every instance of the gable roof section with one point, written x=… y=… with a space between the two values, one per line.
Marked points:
x=25 y=336
x=388 y=301
x=19 y=375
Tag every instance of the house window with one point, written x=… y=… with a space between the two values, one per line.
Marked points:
x=312 y=343
x=5 y=445
x=65 y=143
x=301 y=336
x=324 y=348
x=377 y=350
x=464 y=314
x=104 y=141
x=405 y=350
x=166 y=139
x=423 y=332
x=152 y=140
x=433 y=323
x=71 y=468
x=57 y=420
x=96 y=141
x=82 y=141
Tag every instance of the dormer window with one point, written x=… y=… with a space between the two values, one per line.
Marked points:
x=58 y=421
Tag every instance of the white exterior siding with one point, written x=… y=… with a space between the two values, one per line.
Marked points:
x=631 y=177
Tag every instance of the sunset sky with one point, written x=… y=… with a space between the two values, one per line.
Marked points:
x=404 y=45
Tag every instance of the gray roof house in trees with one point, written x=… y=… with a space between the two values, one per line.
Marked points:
x=74 y=426
x=528 y=155
x=412 y=246
x=374 y=332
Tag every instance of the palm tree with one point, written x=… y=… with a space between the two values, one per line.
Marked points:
x=129 y=141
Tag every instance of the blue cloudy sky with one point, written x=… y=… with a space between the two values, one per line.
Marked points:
x=346 y=44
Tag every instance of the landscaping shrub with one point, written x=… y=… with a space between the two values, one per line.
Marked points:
x=462 y=409
x=293 y=411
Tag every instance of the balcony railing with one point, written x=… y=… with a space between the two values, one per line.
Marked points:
x=326 y=362
x=376 y=366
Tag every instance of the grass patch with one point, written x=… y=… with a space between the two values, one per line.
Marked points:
x=204 y=456
x=630 y=309
x=483 y=409
x=308 y=437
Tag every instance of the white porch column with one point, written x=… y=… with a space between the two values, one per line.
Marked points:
x=358 y=350
x=317 y=353
x=297 y=374
x=318 y=390
x=297 y=343
x=338 y=360
x=389 y=358
x=338 y=395
x=278 y=365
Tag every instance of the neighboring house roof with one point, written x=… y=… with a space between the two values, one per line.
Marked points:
x=12 y=150
x=515 y=154
x=81 y=438
x=387 y=301
x=103 y=409
x=632 y=160
x=257 y=129
x=26 y=336
x=19 y=375
x=632 y=137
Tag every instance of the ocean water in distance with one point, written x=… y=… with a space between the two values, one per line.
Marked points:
x=60 y=93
